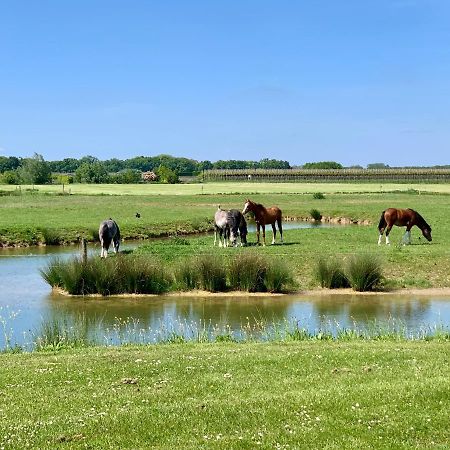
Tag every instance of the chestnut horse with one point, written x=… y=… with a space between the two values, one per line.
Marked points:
x=265 y=216
x=402 y=218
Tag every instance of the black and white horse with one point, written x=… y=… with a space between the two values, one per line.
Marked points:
x=228 y=225
x=238 y=227
x=108 y=232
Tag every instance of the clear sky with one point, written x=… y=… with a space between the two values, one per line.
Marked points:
x=356 y=82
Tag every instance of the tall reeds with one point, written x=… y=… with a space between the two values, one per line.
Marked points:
x=362 y=272
x=128 y=274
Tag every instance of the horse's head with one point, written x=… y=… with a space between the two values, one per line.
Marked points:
x=247 y=206
x=427 y=233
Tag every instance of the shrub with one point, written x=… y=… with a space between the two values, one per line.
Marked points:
x=186 y=277
x=329 y=274
x=318 y=196
x=364 y=272
x=315 y=214
x=211 y=272
x=247 y=272
x=116 y=275
x=278 y=277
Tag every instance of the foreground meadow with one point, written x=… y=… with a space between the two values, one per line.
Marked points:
x=380 y=394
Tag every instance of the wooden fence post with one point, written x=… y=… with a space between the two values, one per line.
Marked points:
x=83 y=250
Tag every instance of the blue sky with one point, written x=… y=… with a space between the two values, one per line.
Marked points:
x=350 y=81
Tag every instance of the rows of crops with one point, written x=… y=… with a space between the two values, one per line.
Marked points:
x=330 y=175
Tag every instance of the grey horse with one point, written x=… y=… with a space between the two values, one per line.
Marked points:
x=228 y=226
x=108 y=232
x=221 y=227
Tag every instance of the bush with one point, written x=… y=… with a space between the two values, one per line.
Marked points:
x=278 y=277
x=315 y=214
x=318 y=196
x=116 y=275
x=364 y=272
x=330 y=275
x=211 y=273
x=247 y=272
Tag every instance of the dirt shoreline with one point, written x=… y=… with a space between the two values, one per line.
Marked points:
x=307 y=293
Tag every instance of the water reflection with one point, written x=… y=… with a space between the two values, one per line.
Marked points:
x=26 y=300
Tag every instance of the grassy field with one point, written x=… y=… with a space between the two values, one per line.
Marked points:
x=334 y=395
x=33 y=218
x=238 y=187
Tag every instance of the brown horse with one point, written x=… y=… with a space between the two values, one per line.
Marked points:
x=265 y=216
x=402 y=218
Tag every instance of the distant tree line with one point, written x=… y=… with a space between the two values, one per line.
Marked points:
x=89 y=169
x=167 y=168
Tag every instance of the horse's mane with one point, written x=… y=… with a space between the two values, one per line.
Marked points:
x=421 y=221
x=258 y=205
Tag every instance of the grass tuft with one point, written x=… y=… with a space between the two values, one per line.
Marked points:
x=330 y=275
x=364 y=272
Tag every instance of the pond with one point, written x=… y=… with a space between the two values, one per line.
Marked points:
x=26 y=301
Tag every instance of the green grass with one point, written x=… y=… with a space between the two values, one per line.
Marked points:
x=334 y=395
x=175 y=210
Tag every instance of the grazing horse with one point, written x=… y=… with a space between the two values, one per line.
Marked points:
x=221 y=227
x=265 y=216
x=228 y=226
x=238 y=226
x=108 y=232
x=402 y=218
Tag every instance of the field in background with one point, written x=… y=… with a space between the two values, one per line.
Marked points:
x=231 y=187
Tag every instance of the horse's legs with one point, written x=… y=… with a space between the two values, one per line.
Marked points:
x=116 y=245
x=257 y=232
x=274 y=233
x=216 y=231
x=264 y=235
x=388 y=230
x=407 y=236
x=379 y=238
x=280 y=229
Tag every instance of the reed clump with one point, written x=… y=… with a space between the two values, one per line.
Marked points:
x=247 y=272
x=118 y=275
x=129 y=274
x=364 y=272
x=315 y=214
x=330 y=274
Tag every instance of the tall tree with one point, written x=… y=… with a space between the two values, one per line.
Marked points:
x=35 y=170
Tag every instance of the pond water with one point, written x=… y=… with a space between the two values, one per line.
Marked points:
x=26 y=301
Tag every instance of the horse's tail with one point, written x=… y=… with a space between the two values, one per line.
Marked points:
x=382 y=224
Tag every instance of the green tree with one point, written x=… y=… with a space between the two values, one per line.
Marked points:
x=166 y=175
x=91 y=173
x=323 y=165
x=9 y=177
x=377 y=166
x=35 y=170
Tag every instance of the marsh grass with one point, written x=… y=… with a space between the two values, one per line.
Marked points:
x=212 y=274
x=330 y=274
x=364 y=272
x=248 y=272
x=112 y=276
x=62 y=333
x=186 y=276
x=50 y=236
x=315 y=214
